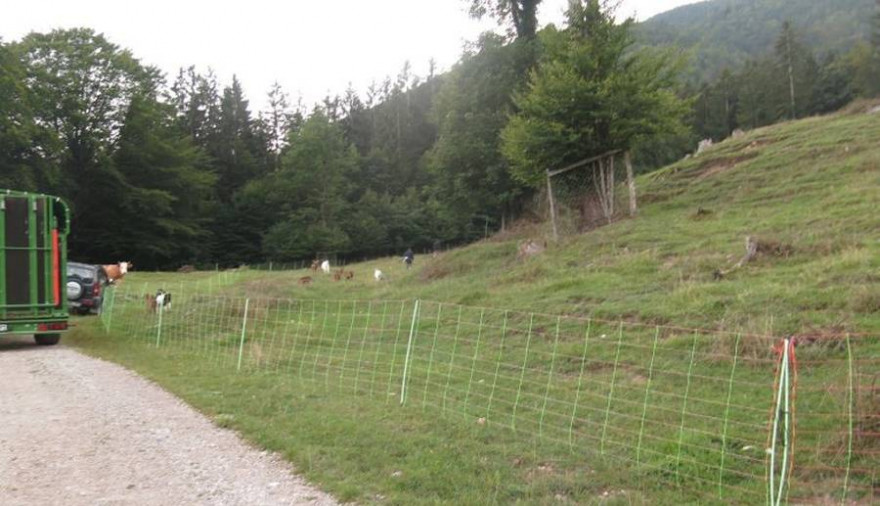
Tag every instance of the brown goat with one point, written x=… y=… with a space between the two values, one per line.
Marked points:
x=151 y=303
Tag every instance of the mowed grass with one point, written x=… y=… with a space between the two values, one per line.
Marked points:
x=810 y=186
x=368 y=449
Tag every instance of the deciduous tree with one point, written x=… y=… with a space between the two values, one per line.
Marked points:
x=589 y=95
x=521 y=14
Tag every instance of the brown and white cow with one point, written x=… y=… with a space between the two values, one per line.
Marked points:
x=116 y=271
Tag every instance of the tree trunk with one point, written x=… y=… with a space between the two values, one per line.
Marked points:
x=790 y=77
x=552 y=207
x=605 y=187
x=610 y=189
x=631 y=184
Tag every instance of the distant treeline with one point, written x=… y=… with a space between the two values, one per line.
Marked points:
x=166 y=171
x=788 y=82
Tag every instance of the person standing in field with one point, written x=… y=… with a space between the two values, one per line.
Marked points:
x=408 y=257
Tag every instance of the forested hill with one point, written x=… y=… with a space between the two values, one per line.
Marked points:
x=726 y=33
x=165 y=171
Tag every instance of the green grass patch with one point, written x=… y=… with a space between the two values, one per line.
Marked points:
x=505 y=405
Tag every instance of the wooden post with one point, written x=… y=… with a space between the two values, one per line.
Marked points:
x=611 y=189
x=631 y=183
x=605 y=189
x=552 y=208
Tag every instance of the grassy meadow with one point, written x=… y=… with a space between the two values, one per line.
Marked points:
x=611 y=369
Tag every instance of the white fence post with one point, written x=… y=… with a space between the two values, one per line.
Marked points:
x=412 y=329
x=159 y=330
x=243 y=332
x=781 y=411
x=110 y=312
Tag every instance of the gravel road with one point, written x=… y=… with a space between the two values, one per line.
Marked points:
x=79 y=431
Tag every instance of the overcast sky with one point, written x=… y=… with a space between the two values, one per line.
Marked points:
x=312 y=48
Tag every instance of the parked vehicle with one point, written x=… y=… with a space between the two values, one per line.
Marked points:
x=33 y=265
x=85 y=285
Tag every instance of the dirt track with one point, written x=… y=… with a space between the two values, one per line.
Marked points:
x=79 y=431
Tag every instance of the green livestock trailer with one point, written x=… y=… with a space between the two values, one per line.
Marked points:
x=33 y=265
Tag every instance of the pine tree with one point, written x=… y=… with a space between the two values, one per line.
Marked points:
x=798 y=70
x=833 y=87
x=356 y=121
x=470 y=175
x=275 y=125
x=875 y=31
x=757 y=98
x=237 y=149
x=313 y=188
x=166 y=189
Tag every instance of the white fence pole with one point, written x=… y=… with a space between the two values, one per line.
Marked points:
x=112 y=293
x=159 y=330
x=243 y=332
x=412 y=329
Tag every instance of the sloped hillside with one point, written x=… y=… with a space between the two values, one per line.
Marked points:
x=811 y=189
x=808 y=190
x=380 y=399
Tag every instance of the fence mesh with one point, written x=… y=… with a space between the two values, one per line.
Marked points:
x=576 y=202
x=589 y=194
x=691 y=409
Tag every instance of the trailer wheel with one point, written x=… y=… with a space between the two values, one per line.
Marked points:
x=47 y=339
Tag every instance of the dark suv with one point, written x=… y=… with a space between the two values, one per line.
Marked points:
x=85 y=284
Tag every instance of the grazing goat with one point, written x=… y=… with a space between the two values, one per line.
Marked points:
x=337 y=275
x=325 y=266
x=378 y=275
x=163 y=300
x=116 y=271
x=160 y=301
x=348 y=274
x=151 y=303
x=305 y=280
x=315 y=264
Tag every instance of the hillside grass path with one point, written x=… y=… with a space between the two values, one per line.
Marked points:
x=75 y=430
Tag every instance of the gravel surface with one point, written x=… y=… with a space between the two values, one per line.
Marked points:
x=80 y=431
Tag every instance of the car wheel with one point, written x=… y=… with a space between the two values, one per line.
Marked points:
x=47 y=339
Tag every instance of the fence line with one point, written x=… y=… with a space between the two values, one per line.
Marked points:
x=699 y=410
